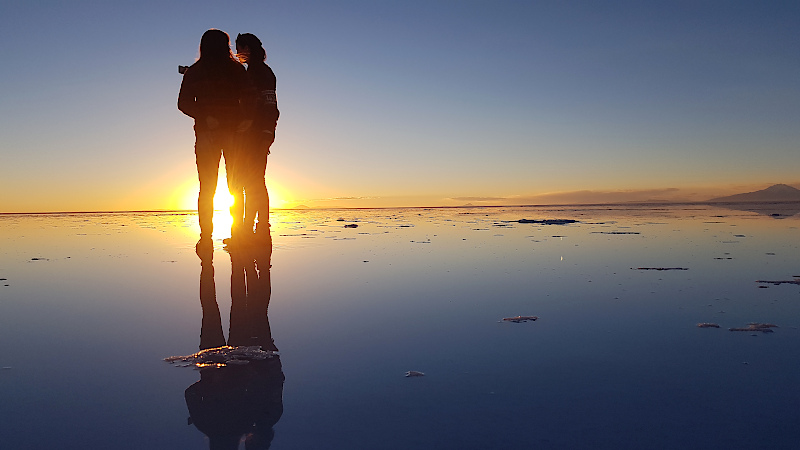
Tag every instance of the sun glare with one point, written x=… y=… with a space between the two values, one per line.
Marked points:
x=185 y=198
x=223 y=200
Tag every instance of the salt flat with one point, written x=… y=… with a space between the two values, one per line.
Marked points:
x=91 y=304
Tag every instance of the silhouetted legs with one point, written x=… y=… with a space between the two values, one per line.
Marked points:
x=211 y=328
x=239 y=332
x=257 y=203
x=207 y=154
x=251 y=289
x=209 y=147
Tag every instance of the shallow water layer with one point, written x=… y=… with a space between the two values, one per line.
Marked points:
x=91 y=304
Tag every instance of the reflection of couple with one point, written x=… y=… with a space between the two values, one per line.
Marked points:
x=236 y=112
x=237 y=401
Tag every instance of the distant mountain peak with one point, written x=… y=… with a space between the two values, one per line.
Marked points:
x=781 y=188
x=775 y=193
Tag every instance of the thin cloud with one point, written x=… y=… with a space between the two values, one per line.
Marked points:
x=621 y=196
x=478 y=199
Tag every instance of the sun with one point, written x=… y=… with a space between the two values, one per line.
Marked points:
x=223 y=200
x=185 y=198
x=185 y=195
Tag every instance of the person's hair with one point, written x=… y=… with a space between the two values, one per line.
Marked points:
x=257 y=52
x=215 y=45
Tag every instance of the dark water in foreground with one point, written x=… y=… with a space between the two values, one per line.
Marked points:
x=91 y=304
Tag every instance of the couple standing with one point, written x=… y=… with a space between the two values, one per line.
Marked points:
x=235 y=111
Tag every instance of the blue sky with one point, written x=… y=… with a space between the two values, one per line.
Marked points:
x=408 y=103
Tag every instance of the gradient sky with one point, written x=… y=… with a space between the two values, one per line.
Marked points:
x=412 y=103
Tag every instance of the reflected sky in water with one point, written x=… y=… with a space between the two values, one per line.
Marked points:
x=90 y=304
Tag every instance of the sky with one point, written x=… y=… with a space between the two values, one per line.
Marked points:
x=412 y=103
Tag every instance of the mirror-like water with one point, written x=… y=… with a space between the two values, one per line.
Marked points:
x=91 y=304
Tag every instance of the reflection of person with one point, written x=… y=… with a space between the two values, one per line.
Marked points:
x=215 y=92
x=261 y=134
x=237 y=401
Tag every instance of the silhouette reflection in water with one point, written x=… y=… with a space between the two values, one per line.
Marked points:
x=238 y=401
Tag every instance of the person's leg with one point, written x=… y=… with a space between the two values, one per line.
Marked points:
x=254 y=181
x=239 y=332
x=207 y=155
x=250 y=205
x=211 y=325
x=259 y=181
x=234 y=167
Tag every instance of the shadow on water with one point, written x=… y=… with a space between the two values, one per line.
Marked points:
x=238 y=402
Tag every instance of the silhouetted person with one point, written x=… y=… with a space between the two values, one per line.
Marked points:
x=261 y=134
x=215 y=92
x=238 y=401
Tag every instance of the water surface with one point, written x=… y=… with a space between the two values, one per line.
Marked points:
x=91 y=304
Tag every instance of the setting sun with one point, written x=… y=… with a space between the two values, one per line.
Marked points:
x=223 y=200
x=185 y=195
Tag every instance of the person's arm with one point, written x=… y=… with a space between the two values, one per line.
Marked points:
x=272 y=98
x=187 y=97
x=247 y=101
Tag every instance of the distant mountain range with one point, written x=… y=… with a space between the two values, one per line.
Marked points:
x=775 y=193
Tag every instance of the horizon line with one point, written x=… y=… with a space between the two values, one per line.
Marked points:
x=635 y=203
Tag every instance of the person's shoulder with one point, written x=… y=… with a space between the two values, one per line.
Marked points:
x=239 y=71
x=192 y=71
x=239 y=67
x=264 y=71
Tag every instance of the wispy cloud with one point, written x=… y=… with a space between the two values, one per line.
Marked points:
x=478 y=199
x=620 y=196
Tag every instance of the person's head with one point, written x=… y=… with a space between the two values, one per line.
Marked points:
x=249 y=48
x=215 y=45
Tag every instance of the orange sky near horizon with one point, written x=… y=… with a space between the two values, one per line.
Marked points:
x=184 y=197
